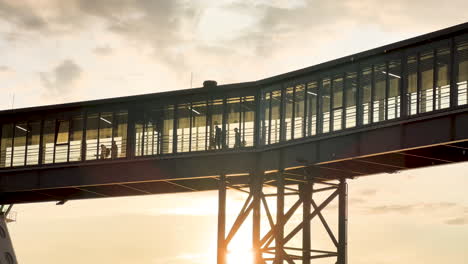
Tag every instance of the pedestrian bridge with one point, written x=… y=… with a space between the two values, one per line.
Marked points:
x=397 y=107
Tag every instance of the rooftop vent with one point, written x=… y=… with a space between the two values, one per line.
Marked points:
x=210 y=84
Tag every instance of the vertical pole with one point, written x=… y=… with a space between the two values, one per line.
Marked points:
x=343 y=222
x=222 y=220
x=279 y=234
x=256 y=182
x=306 y=196
x=404 y=98
x=453 y=70
x=131 y=133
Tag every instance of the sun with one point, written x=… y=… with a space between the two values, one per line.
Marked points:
x=240 y=256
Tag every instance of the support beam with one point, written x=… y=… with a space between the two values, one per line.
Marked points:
x=343 y=222
x=222 y=250
x=279 y=230
x=280 y=253
x=256 y=181
x=306 y=193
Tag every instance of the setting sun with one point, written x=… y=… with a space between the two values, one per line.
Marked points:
x=236 y=256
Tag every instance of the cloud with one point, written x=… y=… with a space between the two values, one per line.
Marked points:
x=368 y=192
x=6 y=72
x=21 y=15
x=413 y=208
x=62 y=78
x=357 y=200
x=391 y=209
x=457 y=221
x=170 y=30
x=103 y=50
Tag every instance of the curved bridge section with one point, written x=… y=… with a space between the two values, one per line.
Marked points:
x=392 y=108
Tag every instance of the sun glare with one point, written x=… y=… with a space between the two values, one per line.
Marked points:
x=244 y=256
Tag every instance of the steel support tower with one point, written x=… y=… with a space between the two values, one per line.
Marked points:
x=273 y=245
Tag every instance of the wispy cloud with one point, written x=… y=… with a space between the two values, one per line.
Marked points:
x=457 y=221
x=104 y=50
x=413 y=208
x=62 y=78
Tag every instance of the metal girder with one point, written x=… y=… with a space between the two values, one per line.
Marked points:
x=273 y=247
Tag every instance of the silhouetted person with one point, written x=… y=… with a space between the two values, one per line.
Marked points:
x=103 y=151
x=114 y=150
x=218 y=137
x=237 y=138
x=212 y=143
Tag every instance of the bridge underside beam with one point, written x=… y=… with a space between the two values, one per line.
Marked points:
x=18 y=188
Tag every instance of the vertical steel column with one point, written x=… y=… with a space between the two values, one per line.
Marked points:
x=343 y=222
x=131 y=133
x=222 y=251
x=306 y=196
x=256 y=182
x=279 y=234
x=453 y=70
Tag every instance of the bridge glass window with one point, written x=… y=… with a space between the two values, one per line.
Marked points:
x=337 y=99
x=234 y=122
x=275 y=122
x=6 y=145
x=199 y=132
x=150 y=139
x=92 y=128
x=394 y=80
x=106 y=123
x=48 y=141
x=148 y=130
x=168 y=130
x=183 y=127
x=240 y=116
x=61 y=141
x=119 y=150
x=379 y=98
x=426 y=66
x=19 y=144
x=311 y=112
x=299 y=111
x=140 y=131
x=366 y=91
x=350 y=95
x=76 y=138
x=265 y=118
x=215 y=121
x=33 y=141
x=248 y=121
x=412 y=82
x=325 y=102
x=271 y=104
x=462 y=72
x=288 y=113
x=442 y=89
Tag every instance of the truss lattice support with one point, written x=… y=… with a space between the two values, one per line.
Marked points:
x=272 y=246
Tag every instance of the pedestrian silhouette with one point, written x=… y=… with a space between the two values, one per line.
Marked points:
x=237 y=138
x=114 y=150
x=104 y=152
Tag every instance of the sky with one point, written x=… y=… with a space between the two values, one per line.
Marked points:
x=56 y=51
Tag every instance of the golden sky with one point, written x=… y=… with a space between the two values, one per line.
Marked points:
x=56 y=51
